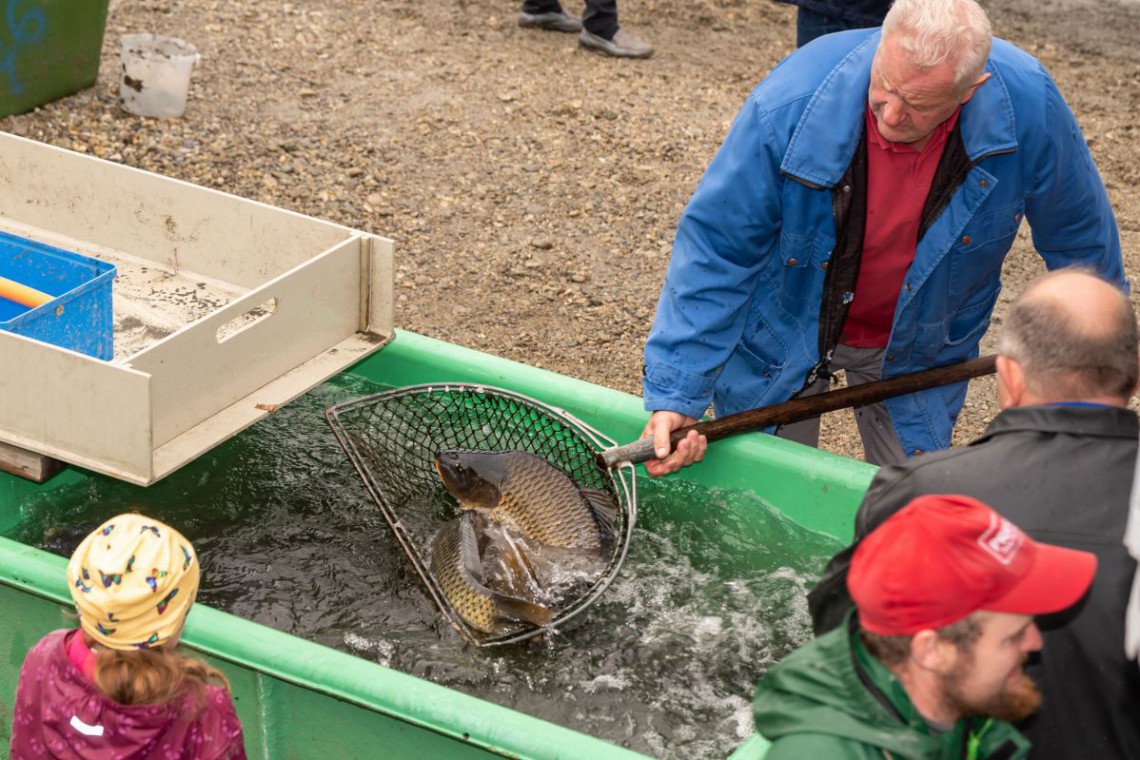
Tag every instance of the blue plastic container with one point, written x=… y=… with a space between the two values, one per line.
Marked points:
x=79 y=317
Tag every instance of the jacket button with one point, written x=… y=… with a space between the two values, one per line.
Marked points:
x=982 y=183
x=965 y=240
x=908 y=287
x=1017 y=217
x=918 y=452
x=890 y=357
x=793 y=262
x=823 y=266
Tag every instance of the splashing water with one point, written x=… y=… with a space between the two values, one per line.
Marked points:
x=712 y=592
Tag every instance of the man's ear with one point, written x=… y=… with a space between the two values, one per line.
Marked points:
x=930 y=652
x=1010 y=382
x=974 y=88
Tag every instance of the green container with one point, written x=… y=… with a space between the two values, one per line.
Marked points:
x=48 y=49
x=298 y=700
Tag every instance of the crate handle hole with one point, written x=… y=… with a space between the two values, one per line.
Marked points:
x=238 y=325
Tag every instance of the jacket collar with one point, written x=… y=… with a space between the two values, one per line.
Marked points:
x=880 y=682
x=831 y=125
x=1085 y=421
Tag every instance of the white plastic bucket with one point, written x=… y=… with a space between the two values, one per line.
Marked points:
x=156 y=74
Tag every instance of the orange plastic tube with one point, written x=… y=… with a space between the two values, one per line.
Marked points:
x=22 y=294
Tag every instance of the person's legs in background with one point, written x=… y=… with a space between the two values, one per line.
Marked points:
x=547 y=14
x=811 y=24
x=601 y=32
x=600 y=18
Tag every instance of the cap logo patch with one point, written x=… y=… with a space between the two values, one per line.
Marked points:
x=1002 y=539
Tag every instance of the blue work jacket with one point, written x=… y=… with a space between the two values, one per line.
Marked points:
x=738 y=319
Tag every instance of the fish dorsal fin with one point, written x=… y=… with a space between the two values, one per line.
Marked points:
x=604 y=509
x=517 y=609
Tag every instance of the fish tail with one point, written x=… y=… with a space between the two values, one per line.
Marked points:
x=517 y=609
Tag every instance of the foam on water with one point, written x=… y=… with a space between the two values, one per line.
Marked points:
x=664 y=662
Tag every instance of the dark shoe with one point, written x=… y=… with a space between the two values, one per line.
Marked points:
x=555 y=22
x=623 y=45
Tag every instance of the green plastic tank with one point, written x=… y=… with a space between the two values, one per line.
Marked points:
x=48 y=49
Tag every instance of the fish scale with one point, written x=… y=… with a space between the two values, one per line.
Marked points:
x=546 y=505
x=475 y=607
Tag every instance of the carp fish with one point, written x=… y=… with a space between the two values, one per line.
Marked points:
x=457 y=566
x=525 y=490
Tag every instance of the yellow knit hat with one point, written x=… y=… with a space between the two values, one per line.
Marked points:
x=133 y=581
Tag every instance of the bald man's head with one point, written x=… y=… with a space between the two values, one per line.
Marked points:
x=1074 y=336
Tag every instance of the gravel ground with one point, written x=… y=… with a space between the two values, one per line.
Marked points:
x=532 y=187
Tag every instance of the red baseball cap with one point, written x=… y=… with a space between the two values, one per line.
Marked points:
x=941 y=558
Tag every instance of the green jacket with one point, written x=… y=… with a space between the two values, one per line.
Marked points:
x=831 y=699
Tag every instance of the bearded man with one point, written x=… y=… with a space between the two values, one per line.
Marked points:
x=929 y=663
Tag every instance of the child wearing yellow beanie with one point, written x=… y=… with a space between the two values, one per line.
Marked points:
x=115 y=687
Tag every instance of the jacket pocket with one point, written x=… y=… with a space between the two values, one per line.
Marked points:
x=803 y=259
x=756 y=364
x=980 y=250
x=971 y=320
x=800 y=251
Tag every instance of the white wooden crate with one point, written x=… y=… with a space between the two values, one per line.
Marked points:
x=225 y=308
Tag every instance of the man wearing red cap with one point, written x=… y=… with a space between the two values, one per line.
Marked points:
x=929 y=664
x=1058 y=461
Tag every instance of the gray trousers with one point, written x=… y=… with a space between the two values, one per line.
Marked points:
x=880 y=442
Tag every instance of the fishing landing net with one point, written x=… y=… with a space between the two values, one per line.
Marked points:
x=392 y=439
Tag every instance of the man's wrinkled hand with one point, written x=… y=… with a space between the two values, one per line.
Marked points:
x=689 y=449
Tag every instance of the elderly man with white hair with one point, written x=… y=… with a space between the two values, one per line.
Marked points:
x=857 y=217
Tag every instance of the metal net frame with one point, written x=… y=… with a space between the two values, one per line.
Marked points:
x=392 y=438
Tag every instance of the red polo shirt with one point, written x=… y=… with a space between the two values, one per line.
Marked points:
x=898 y=181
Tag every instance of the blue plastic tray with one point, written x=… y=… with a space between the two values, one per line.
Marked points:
x=79 y=317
